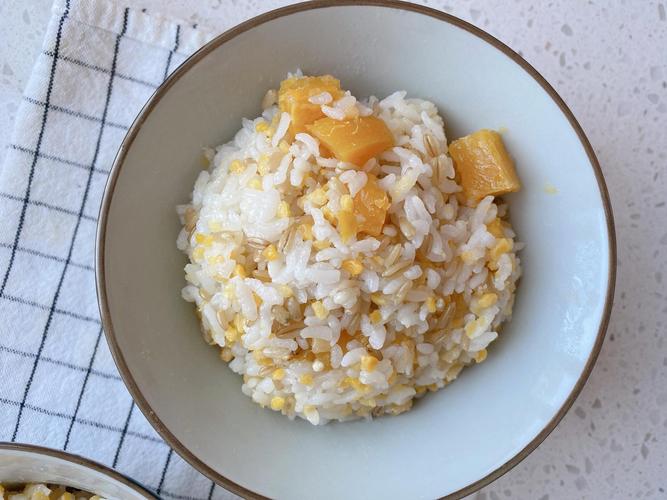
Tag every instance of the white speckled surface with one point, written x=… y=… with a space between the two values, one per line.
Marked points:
x=608 y=61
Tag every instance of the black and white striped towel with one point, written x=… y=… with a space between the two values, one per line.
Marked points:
x=58 y=384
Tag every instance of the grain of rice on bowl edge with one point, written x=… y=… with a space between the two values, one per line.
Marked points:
x=340 y=260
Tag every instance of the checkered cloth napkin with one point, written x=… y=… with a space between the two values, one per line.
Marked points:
x=58 y=384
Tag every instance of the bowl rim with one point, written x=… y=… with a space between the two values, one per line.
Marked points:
x=78 y=460
x=254 y=22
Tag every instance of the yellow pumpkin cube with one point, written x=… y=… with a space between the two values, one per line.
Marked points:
x=294 y=94
x=371 y=204
x=484 y=165
x=356 y=140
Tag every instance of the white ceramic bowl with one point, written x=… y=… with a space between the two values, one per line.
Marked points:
x=453 y=441
x=23 y=463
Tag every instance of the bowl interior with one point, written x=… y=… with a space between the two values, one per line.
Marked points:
x=450 y=439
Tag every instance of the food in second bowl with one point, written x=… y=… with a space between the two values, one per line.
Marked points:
x=44 y=492
x=340 y=260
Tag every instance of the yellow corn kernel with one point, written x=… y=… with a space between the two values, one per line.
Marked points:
x=353 y=266
x=321 y=244
x=277 y=403
x=232 y=334
x=370 y=403
x=263 y=164
x=236 y=167
x=306 y=231
x=503 y=245
x=368 y=363
x=204 y=239
x=480 y=356
x=285 y=291
x=347 y=203
x=214 y=226
x=283 y=210
x=430 y=304
x=329 y=215
x=226 y=354
x=278 y=374
x=318 y=197
x=239 y=271
x=198 y=254
x=378 y=299
x=261 y=126
x=306 y=379
x=283 y=146
x=270 y=252
x=347 y=224
x=487 y=300
x=375 y=317
x=319 y=309
x=255 y=183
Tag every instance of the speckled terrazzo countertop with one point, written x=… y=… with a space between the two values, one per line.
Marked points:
x=608 y=60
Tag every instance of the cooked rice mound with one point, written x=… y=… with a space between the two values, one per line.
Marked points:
x=331 y=326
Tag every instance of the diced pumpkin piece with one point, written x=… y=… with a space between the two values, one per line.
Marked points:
x=356 y=140
x=484 y=165
x=294 y=94
x=371 y=204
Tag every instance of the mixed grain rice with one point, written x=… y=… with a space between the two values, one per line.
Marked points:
x=330 y=330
